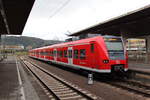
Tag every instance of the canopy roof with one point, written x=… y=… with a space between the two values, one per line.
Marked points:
x=135 y=23
x=13 y=15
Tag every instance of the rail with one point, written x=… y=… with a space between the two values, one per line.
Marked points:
x=58 y=87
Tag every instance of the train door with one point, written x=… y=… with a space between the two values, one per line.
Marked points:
x=70 y=59
x=55 y=54
x=93 y=54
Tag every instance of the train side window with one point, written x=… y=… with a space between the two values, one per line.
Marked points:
x=92 y=48
x=82 y=54
x=55 y=53
x=52 y=53
x=76 y=54
x=61 y=53
x=58 y=53
x=70 y=53
x=65 y=53
x=46 y=53
x=41 y=52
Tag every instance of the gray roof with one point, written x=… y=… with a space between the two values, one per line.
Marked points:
x=13 y=15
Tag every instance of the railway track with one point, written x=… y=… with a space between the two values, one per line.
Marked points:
x=58 y=87
x=132 y=86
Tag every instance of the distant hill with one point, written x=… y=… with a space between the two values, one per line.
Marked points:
x=29 y=41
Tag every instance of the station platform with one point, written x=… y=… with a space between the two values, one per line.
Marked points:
x=9 y=85
x=15 y=84
x=140 y=67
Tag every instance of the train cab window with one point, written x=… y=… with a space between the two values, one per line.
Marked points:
x=65 y=53
x=92 y=48
x=75 y=54
x=70 y=53
x=82 y=54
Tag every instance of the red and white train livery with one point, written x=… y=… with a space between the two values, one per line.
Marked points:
x=103 y=54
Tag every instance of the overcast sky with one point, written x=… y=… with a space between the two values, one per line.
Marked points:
x=52 y=19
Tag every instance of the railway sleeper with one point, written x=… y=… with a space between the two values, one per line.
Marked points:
x=68 y=94
x=72 y=97
x=64 y=89
x=64 y=92
x=57 y=87
x=65 y=96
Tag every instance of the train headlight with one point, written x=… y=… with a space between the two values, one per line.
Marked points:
x=105 y=61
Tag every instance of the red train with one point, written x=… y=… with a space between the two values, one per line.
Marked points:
x=103 y=54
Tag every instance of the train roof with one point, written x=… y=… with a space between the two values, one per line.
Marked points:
x=87 y=40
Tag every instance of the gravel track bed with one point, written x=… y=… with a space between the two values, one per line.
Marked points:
x=100 y=89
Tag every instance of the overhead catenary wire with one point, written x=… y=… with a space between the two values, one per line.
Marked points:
x=59 y=9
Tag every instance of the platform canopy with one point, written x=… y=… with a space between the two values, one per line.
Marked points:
x=132 y=24
x=13 y=15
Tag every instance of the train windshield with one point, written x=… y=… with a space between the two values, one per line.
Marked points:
x=114 y=44
x=115 y=48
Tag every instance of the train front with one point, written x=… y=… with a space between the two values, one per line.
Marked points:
x=117 y=54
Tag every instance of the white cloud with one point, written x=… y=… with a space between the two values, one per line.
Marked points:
x=48 y=21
